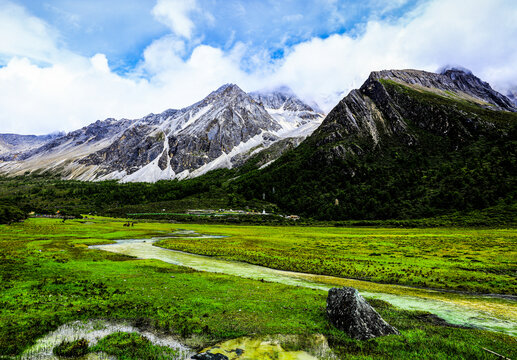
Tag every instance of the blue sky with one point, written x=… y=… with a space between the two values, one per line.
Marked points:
x=122 y=29
x=67 y=63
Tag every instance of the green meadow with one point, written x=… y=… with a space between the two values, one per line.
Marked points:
x=472 y=260
x=50 y=277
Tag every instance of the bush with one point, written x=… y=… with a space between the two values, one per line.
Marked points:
x=133 y=346
x=9 y=214
x=71 y=349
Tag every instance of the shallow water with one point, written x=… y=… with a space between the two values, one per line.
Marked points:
x=93 y=331
x=273 y=347
x=481 y=311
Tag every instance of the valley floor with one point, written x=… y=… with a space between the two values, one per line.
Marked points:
x=50 y=277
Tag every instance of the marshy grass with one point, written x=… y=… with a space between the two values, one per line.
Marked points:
x=50 y=278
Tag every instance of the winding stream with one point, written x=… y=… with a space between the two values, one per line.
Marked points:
x=480 y=311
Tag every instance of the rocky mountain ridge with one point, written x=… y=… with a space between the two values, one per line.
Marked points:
x=14 y=143
x=222 y=130
x=406 y=143
x=461 y=82
x=377 y=109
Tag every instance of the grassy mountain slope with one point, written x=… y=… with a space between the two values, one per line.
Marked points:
x=396 y=150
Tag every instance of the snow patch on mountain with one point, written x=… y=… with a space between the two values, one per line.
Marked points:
x=197 y=115
x=225 y=160
x=152 y=172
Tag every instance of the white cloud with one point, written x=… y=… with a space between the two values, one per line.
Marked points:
x=24 y=35
x=176 y=15
x=100 y=63
x=72 y=91
x=163 y=54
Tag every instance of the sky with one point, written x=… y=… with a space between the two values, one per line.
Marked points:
x=67 y=63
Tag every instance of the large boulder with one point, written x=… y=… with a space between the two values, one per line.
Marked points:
x=348 y=311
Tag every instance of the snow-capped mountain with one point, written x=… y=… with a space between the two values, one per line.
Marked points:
x=221 y=131
x=296 y=118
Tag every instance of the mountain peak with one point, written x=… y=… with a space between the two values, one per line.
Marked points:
x=457 y=69
x=282 y=97
x=456 y=80
x=228 y=89
x=404 y=139
x=512 y=95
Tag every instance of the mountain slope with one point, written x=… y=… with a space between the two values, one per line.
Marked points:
x=406 y=144
x=512 y=95
x=12 y=144
x=221 y=131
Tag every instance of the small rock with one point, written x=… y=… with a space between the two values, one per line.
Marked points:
x=238 y=351
x=348 y=311
x=209 y=356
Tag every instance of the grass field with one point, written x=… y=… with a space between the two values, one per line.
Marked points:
x=49 y=277
x=474 y=260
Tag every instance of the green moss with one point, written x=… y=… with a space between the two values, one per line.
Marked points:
x=71 y=349
x=133 y=346
x=456 y=107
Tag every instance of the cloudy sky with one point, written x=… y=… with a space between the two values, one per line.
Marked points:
x=67 y=63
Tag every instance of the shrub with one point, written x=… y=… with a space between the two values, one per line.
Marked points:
x=71 y=349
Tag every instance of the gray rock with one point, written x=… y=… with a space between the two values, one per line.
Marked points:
x=348 y=311
x=137 y=147
x=200 y=133
x=88 y=136
x=209 y=356
x=284 y=98
x=229 y=118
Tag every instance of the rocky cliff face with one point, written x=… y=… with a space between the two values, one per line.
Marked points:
x=384 y=108
x=284 y=98
x=222 y=130
x=88 y=135
x=230 y=118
